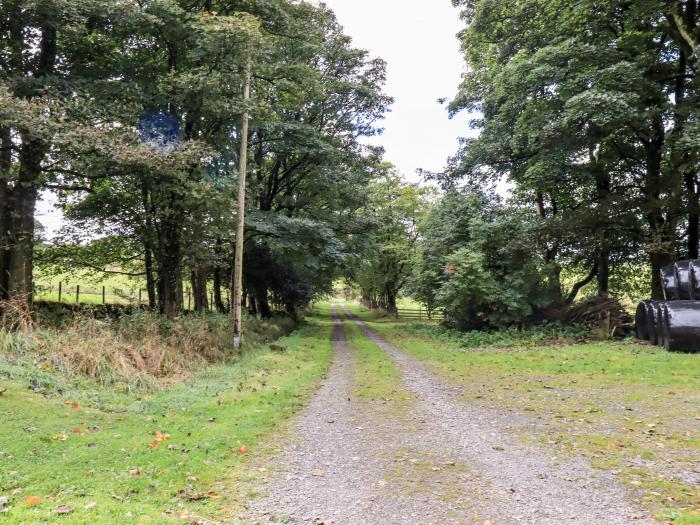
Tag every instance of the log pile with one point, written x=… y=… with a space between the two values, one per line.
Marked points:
x=598 y=313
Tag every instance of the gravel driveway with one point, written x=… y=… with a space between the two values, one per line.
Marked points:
x=435 y=460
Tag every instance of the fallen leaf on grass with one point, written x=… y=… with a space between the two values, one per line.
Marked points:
x=4 y=500
x=77 y=430
x=192 y=496
x=159 y=439
x=242 y=450
x=213 y=495
x=74 y=405
x=31 y=429
x=117 y=497
x=91 y=505
x=32 y=500
x=59 y=437
x=64 y=509
x=135 y=472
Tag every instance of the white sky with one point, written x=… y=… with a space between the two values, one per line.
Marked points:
x=418 y=40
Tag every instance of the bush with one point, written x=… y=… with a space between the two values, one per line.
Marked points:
x=137 y=351
x=547 y=333
x=480 y=261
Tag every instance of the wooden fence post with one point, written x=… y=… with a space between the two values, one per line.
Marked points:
x=77 y=294
x=60 y=290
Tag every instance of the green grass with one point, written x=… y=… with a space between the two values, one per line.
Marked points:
x=375 y=376
x=97 y=458
x=91 y=284
x=619 y=404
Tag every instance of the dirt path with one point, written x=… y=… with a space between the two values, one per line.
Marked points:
x=435 y=460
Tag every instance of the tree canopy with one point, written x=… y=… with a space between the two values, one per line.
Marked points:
x=130 y=111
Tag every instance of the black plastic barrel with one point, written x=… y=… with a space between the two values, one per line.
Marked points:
x=695 y=279
x=654 y=322
x=668 y=278
x=662 y=324
x=641 y=321
x=682 y=271
x=681 y=326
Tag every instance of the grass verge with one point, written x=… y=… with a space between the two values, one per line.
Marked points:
x=96 y=455
x=375 y=376
x=629 y=408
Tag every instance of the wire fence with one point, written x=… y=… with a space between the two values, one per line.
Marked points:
x=68 y=293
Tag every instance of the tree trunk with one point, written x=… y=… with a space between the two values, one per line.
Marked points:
x=219 y=255
x=169 y=274
x=263 y=304
x=5 y=213
x=148 y=237
x=580 y=284
x=391 y=304
x=662 y=243
x=658 y=261
x=19 y=261
x=23 y=204
x=252 y=304
x=693 y=196
x=150 y=279
x=218 y=301
x=603 y=272
x=199 y=288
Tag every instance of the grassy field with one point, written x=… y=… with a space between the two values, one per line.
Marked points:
x=629 y=408
x=119 y=289
x=91 y=455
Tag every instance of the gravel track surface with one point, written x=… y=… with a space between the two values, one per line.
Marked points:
x=432 y=460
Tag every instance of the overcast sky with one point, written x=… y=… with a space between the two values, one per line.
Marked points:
x=418 y=40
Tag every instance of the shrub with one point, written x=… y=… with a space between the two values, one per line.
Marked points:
x=532 y=336
x=137 y=351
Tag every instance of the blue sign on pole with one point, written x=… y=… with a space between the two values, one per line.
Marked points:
x=160 y=130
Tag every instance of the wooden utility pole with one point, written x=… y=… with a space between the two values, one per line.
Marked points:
x=240 y=227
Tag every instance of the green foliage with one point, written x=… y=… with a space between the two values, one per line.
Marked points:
x=586 y=108
x=478 y=262
x=84 y=81
x=393 y=212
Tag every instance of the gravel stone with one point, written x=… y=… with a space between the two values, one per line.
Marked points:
x=436 y=460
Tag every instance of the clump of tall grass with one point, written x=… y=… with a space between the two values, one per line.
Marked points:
x=141 y=350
